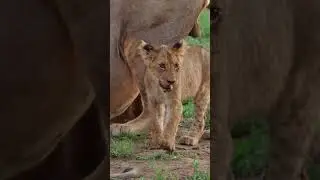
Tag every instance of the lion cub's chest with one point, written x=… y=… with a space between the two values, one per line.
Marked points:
x=158 y=95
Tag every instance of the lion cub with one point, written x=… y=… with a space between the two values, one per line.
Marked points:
x=168 y=75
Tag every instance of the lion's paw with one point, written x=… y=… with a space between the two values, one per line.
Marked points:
x=169 y=145
x=188 y=140
x=154 y=140
x=116 y=129
x=206 y=135
x=151 y=144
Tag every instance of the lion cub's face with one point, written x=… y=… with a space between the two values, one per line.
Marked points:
x=163 y=62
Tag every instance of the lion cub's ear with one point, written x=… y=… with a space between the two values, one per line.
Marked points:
x=148 y=48
x=145 y=49
x=179 y=47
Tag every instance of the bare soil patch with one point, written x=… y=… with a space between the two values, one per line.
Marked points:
x=177 y=165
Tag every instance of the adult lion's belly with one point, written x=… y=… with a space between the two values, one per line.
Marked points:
x=123 y=88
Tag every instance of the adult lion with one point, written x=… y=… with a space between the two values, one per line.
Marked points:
x=121 y=101
x=267 y=63
x=54 y=66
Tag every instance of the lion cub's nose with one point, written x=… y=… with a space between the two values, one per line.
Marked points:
x=171 y=82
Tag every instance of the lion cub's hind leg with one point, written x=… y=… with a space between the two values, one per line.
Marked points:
x=202 y=100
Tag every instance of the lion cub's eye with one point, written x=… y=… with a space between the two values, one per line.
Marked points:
x=162 y=66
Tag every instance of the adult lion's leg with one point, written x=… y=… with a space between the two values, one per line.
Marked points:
x=138 y=124
x=222 y=149
x=292 y=122
x=221 y=141
x=202 y=100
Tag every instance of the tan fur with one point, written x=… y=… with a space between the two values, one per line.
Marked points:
x=133 y=111
x=196 y=83
x=165 y=104
x=165 y=108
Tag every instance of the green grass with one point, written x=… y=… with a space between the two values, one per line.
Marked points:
x=188 y=108
x=204 y=21
x=197 y=174
x=163 y=174
x=188 y=113
x=314 y=172
x=160 y=156
x=250 y=152
x=122 y=146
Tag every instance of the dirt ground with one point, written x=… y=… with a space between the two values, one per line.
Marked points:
x=151 y=162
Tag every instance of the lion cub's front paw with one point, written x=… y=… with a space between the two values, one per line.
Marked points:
x=153 y=144
x=154 y=141
x=168 y=144
x=188 y=140
x=116 y=129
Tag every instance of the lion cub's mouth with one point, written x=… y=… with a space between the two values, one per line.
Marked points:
x=166 y=88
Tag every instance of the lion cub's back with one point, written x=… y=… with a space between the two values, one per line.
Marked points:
x=195 y=70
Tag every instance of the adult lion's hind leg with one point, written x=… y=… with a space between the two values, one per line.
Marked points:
x=202 y=100
x=136 y=125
